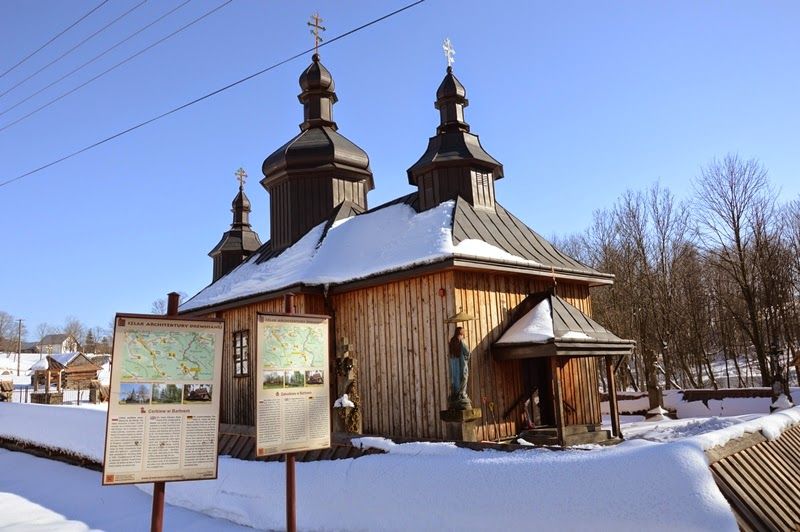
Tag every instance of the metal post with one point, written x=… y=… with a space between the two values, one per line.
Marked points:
x=291 y=506
x=157 y=515
x=613 y=405
x=19 y=344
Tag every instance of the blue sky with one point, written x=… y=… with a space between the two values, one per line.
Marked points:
x=579 y=100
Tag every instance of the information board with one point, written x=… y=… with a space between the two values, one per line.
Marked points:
x=163 y=409
x=293 y=399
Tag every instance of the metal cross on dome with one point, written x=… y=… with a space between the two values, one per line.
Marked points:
x=449 y=51
x=241 y=175
x=315 y=23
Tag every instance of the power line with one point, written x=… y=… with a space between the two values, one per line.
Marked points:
x=127 y=59
x=65 y=54
x=210 y=94
x=98 y=56
x=65 y=30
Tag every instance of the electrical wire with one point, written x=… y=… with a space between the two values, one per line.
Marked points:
x=95 y=58
x=84 y=41
x=208 y=95
x=108 y=70
x=65 y=30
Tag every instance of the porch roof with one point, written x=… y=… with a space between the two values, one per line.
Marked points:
x=549 y=326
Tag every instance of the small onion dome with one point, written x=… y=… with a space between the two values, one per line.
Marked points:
x=450 y=87
x=316 y=77
x=241 y=202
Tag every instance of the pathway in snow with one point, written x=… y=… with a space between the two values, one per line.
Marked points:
x=37 y=494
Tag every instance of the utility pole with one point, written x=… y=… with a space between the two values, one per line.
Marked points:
x=19 y=344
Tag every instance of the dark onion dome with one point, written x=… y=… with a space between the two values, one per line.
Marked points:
x=453 y=144
x=320 y=149
x=240 y=202
x=319 y=146
x=451 y=88
x=316 y=77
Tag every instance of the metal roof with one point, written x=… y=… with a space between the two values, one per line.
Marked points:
x=574 y=333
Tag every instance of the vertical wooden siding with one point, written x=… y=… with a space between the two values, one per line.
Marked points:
x=491 y=298
x=397 y=334
x=238 y=393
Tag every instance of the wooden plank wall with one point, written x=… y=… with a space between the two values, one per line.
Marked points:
x=491 y=298
x=238 y=393
x=397 y=334
x=581 y=391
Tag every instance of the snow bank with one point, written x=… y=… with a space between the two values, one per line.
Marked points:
x=637 y=485
x=39 y=495
x=437 y=486
x=78 y=430
x=770 y=426
x=18 y=513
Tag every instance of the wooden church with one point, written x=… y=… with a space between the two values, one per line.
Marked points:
x=397 y=279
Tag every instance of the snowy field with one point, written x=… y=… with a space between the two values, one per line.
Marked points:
x=657 y=480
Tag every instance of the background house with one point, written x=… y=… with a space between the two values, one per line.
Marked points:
x=55 y=344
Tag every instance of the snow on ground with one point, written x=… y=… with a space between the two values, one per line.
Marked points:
x=656 y=480
x=38 y=495
x=673 y=400
x=431 y=486
x=8 y=366
x=438 y=486
x=76 y=429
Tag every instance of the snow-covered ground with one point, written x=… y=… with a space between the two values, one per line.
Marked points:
x=38 y=495
x=673 y=400
x=656 y=480
x=643 y=483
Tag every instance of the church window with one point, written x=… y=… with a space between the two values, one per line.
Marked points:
x=241 y=353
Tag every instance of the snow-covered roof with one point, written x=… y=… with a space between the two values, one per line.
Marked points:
x=40 y=365
x=64 y=358
x=554 y=327
x=535 y=327
x=390 y=238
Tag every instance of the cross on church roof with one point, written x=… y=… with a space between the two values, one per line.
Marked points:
x=241 y=175
x=449 y=52
x=315 y=23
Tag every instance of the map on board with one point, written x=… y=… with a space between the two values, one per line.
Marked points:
x=293 y=345
x=173 y=355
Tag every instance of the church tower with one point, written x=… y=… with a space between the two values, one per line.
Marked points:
x=455 y=164
x=240 y=241
x=316 y=171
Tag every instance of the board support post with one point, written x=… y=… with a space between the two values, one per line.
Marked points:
x=157 y=515
x=291 y=503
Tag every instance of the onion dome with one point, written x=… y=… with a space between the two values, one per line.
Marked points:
x=454 y=163
x=315 y=171
x=240 y=241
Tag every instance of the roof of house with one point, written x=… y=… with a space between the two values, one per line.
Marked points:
x=53 y=339
x=351 y=246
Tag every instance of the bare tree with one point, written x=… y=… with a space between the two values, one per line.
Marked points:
x=75 y=327
x=730 y=194
x=159 y=306
x=8 y=331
